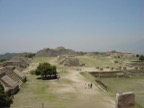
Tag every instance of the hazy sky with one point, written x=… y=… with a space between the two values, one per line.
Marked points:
x=87 y=25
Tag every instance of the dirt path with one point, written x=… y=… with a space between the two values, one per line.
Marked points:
x=86 y=97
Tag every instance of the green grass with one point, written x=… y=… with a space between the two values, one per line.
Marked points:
x=41 y=59
x=40 y=90
x=102 y=61
x=126 y=85
x=97 y=61
x=36 y=91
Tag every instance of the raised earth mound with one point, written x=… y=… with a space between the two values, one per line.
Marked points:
x=68 y=61
x=47 y=52
x=19 y=62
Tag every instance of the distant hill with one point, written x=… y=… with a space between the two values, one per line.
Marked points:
x=47 y=52
x=9 y=55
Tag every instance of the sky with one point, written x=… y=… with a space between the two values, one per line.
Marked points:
x=81 y=25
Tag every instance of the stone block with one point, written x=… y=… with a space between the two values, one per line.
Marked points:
x=125 y=100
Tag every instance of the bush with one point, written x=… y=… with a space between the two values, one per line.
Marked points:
x=97 y=67
x=137 y=55
x=28 y=55
x=32 y=72
x=115 y=61
x=111 y=68
x=136 y=68
x=101 y=69
x=124 y=68
x=118 y=56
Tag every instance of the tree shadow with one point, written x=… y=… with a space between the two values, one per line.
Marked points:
x=47 y=78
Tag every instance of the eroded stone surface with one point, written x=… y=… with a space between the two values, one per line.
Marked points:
x=125 y=100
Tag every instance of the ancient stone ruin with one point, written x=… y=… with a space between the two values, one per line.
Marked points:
x=125 y=100
x=68 y=60
x=11 y=76
x=109 y=74
x=19 y=62
x=10 y=86
x=47 y=52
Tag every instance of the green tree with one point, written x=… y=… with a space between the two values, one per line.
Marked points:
x=5 y=101
x=137 y=55
x=54 y=70
x=46 y=70
x=28 y=54
x=141 y=58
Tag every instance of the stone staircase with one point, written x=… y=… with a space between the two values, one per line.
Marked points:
x=13 y=75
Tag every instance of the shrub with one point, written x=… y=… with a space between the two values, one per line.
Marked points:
x=115 y=61
x=32 y=72
x=97 y=67
x=111 y=68
x=101 y=69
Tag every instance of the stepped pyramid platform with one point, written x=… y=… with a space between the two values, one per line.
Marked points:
x=10 y=74
x=14 y=74
x=20 y=62
x=10 y=86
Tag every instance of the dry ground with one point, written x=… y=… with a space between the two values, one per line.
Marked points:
x=70 y=91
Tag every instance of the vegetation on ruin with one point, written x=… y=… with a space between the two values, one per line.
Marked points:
x=5 y=101
x=141 y=57
x=28 y=54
